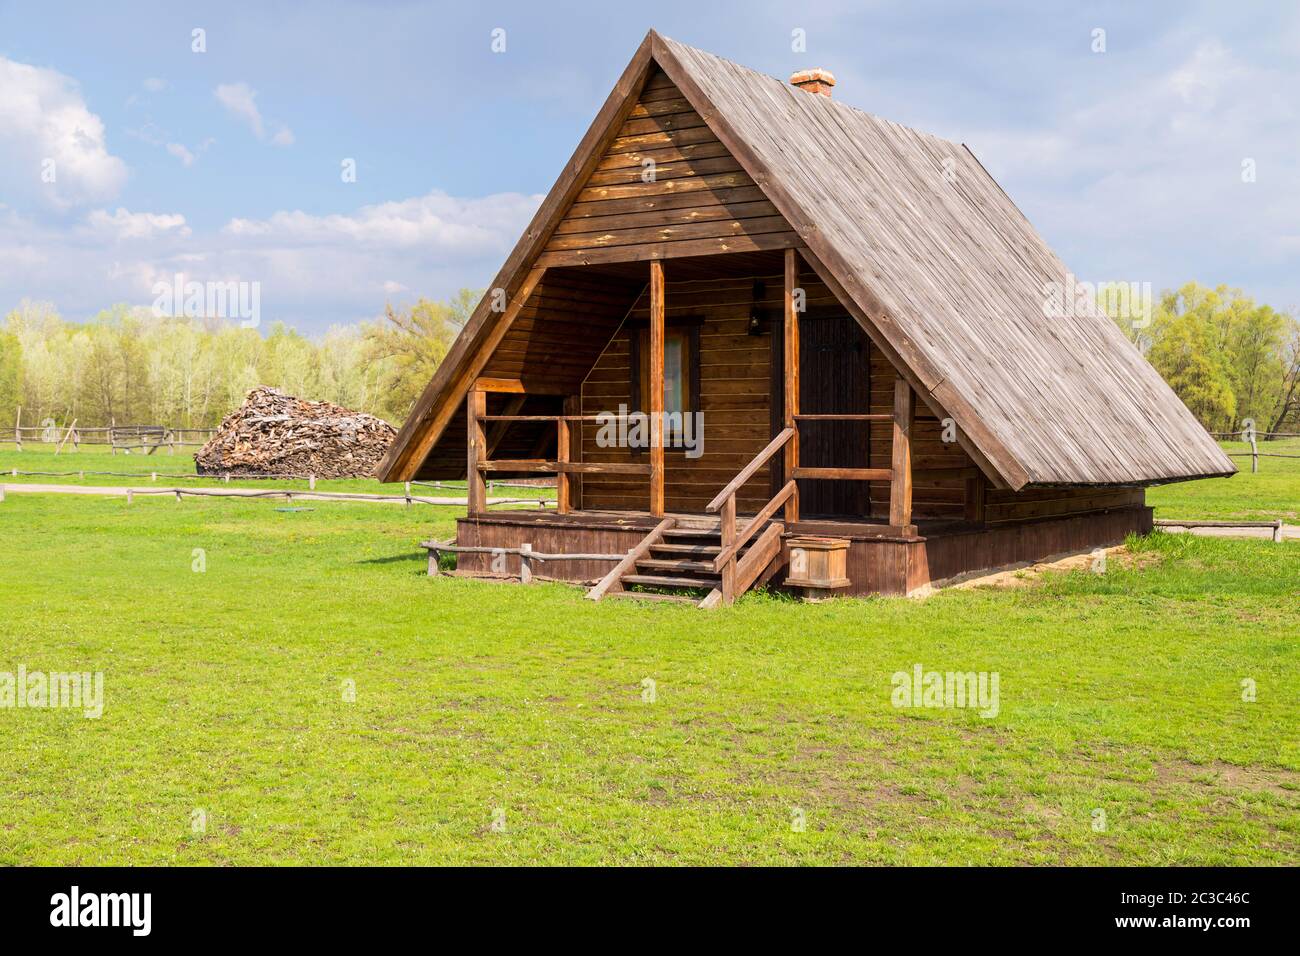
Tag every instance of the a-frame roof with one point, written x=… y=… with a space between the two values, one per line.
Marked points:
x=930 y=256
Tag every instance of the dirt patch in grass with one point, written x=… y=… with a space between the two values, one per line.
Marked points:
x=1030 y=574
x=1275 y=780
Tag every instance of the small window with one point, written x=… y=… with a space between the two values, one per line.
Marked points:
x=678 y=361
x=681 y=372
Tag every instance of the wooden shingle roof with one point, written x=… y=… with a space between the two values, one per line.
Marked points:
x=928 y=253
x=940 y=259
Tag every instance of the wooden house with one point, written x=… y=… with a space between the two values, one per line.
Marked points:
x=751 y=324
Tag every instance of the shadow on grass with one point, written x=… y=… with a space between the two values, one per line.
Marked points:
x=413 y=556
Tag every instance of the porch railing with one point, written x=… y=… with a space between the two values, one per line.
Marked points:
x=481 y=446
x=738 y=574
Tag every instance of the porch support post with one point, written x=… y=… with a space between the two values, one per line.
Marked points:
x=791 y=378
x=562 y=456
x=900 y=484
x=476 y=493
x=573 y=406
x=656 y=409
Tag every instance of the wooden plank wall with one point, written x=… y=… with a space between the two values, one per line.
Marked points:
x=1009 y=542
x=548 y=538
x=561 y=329
x=931 y=498
x=700 y=201
x=734 y=397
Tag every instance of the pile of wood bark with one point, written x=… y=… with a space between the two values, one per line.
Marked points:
x=276 y=434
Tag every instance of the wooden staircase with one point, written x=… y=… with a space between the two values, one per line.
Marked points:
x=678 y=566
x=681 y=560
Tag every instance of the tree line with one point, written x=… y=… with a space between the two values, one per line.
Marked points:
x=1227 y=357
x=1230 y=359
x=129 y=366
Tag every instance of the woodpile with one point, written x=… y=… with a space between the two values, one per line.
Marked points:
x=276 y=434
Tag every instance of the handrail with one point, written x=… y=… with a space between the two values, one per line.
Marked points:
x=765 y=514
x=748 y=472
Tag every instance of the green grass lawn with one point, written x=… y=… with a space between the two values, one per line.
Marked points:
x=1273 y=492
x=225 y=693
x=39 y=464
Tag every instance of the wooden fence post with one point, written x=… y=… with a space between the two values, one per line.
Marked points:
x=525 y=563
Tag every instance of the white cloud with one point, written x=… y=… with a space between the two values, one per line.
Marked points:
x=180 y=152
x=123 y=224
x=313 y=270
x=1144 y=181
x=240 y=100
x=47 y=131
x=154 y=85
x=435 y=222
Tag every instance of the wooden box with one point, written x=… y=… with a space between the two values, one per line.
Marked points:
x=817 y=562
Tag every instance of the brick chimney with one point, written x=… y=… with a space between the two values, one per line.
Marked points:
x=815 y=80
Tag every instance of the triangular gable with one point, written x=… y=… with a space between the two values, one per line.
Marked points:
x=948 y=282
x=665 y=187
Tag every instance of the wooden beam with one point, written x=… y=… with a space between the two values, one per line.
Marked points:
x=656 y=410
x=845 y=474
x=562 y=458
x=476 y=491
x=764 y=515
x=499 y=385
x=670 y=250
x=900 y=485
x=728 y=541
x=573 y=408
x=791 y=379
x=543 y=466
x=882 y=417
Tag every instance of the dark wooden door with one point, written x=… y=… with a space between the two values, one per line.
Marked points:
x=834 y=378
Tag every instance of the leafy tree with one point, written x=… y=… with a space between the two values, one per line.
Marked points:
x=1184 y=356
x=11 y=373
x=412 y=344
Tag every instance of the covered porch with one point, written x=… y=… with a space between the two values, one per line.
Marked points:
x=707 y=360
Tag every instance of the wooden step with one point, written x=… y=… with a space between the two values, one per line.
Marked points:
x=694 y=550
x=660 y=581
x=712 y=533
x=675 y=564
x=651 y=596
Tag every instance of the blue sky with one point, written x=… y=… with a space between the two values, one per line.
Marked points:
x=226 y=164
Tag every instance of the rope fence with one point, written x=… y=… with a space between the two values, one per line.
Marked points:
x=155 y=475
x=288 y=495
x=525 y=552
